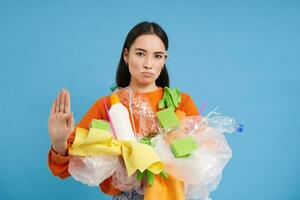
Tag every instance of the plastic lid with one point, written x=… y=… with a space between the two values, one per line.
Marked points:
x=239 y=127
x=114 y=99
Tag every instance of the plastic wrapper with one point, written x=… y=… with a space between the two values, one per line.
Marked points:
x=121 y=181
x=142 y=115
x=201 y=171
x=201 y=191
x=92 y=170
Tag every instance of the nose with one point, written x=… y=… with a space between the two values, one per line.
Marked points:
x=148 y=63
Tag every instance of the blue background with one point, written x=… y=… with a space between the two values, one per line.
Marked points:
x=243 y=56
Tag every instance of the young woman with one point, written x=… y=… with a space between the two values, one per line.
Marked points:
x=142 y=68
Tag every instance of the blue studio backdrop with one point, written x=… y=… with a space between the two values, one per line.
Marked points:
x=240 y=55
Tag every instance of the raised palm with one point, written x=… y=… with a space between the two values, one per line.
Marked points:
x=61 y=120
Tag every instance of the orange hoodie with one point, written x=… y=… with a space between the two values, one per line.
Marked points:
x=58 y=164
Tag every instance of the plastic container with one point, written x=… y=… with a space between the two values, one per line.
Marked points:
x=120 y=121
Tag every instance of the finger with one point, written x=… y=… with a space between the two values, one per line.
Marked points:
x=62 y=101
x=57 y=103
x=67 y=102
x=52 y=111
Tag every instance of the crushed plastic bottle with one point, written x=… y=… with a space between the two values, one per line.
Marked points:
x=224 y=124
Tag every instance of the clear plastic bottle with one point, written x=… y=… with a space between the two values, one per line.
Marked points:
x=224 y=124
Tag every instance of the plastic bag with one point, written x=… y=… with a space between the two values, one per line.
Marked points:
x=92 y=170
x=121 y=181
x=201 y=171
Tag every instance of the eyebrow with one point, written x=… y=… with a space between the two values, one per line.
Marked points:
x=156 y=52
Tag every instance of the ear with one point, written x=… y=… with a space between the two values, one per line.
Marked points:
x=125 y=55
x=165 y=58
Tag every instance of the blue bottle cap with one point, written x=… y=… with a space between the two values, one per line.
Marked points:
x=239 y=127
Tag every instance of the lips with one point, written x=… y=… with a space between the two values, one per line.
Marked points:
x=147 y=73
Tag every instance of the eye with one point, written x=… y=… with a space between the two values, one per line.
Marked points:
x=158 y=56
x=140 y=54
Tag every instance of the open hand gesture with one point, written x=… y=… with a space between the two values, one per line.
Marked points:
x=61 y=122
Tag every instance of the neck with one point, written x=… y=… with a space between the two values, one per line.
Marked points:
x=142 y=88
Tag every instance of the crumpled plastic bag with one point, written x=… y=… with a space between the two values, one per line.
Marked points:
x=92 y=170
x=202 y=170
x=121 y=181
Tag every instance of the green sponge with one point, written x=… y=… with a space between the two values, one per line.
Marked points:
x=100 y=124
x=183 y=147
x=167 y=118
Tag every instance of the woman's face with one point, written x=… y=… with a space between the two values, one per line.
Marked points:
x=145 y=59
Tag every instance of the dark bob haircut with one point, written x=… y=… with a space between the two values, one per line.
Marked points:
x=144 y=28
